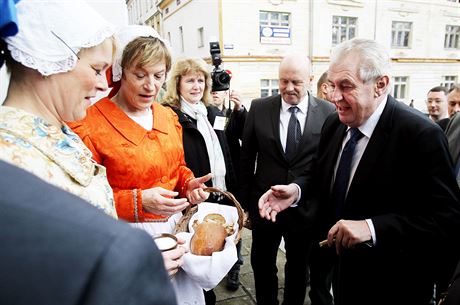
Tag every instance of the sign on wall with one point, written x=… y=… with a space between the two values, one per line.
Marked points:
x=275 y=35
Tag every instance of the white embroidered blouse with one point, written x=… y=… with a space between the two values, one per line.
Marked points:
x=58 y=156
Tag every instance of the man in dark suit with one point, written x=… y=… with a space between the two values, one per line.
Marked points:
x=436 y=104
x=453 y=134
x=265 y=142
x=402 y=208
x=58 y=249
x=453 y=99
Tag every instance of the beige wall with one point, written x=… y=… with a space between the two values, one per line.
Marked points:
x=236 y=24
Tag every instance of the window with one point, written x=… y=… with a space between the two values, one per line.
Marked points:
x=274 y=19
x=177 y=2
x=401 y=34
x=449 y=81
x=452 y=37
x=200 y=37
x=167 y=11
x=275 y=27
x=181 y=38
x=268 y=87
x=343 y=28
x=400 y=87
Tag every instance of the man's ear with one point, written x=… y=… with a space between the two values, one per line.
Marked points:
x=381 y=85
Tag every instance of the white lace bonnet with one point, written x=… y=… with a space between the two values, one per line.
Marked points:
x=50 y=30
x=124 y=36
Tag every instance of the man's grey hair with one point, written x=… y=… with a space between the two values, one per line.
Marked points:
x=455 y=87
x=374 y=59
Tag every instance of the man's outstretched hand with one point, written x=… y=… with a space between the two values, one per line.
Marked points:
x=277 y=199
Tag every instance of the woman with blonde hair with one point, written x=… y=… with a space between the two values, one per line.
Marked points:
x=206 y=147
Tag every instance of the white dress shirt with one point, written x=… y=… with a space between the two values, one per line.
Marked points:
x=367 y=128
x=285 y=115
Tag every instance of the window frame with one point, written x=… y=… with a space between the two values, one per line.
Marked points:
x=449 y=81
x=399 y=35
x=200 y=33
x=452 y=37
x=337 y=28
x=400 y=87
x=181 y=38
x=270 y=21
x=272 y=87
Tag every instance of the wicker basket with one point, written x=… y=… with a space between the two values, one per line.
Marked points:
x=182 y=224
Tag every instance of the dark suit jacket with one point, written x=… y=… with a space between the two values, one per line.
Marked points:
x=196 y=154
x=261 y=142
x=453 y=137
x=58 y=249
x=453 y=293
x=405 y=184
x=234 y=133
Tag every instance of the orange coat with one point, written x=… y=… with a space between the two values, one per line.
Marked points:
x=136 y=159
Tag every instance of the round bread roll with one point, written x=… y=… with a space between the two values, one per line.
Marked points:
x=214 y=217
x=209 y=237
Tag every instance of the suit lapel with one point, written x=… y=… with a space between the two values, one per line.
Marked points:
x=374 y=148
x=335 y=146
x=275 y=121
x=312 y=126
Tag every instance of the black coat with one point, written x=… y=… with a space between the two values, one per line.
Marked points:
x=196 y=154
x=263 y=162
x=234 y=132
x=405 y=184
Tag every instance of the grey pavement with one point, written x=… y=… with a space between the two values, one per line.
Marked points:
x=245 y=295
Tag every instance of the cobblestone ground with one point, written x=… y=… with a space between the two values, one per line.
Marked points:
x=245 y=295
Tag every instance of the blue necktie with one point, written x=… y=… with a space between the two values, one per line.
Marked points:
x=342 y=176
x=293 y=134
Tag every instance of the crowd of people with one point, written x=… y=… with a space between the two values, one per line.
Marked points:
x=364 y=190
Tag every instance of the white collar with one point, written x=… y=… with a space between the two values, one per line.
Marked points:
x=303 y=105
x=368 y=127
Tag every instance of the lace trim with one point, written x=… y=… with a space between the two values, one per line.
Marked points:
x=46 y=67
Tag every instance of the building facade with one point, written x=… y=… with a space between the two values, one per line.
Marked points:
x=423 y=37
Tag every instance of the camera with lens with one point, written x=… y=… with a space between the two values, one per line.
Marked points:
x=220 y=78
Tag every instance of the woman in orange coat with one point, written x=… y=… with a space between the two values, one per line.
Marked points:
x=139 y=141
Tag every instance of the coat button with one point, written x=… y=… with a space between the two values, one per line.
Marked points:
x=164 y=179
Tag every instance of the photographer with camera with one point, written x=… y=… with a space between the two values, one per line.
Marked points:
x=235 y=118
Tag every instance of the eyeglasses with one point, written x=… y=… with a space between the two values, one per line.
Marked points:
x=61 y=40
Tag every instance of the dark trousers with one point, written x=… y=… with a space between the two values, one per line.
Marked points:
x=266 y=238
x=321 y=270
